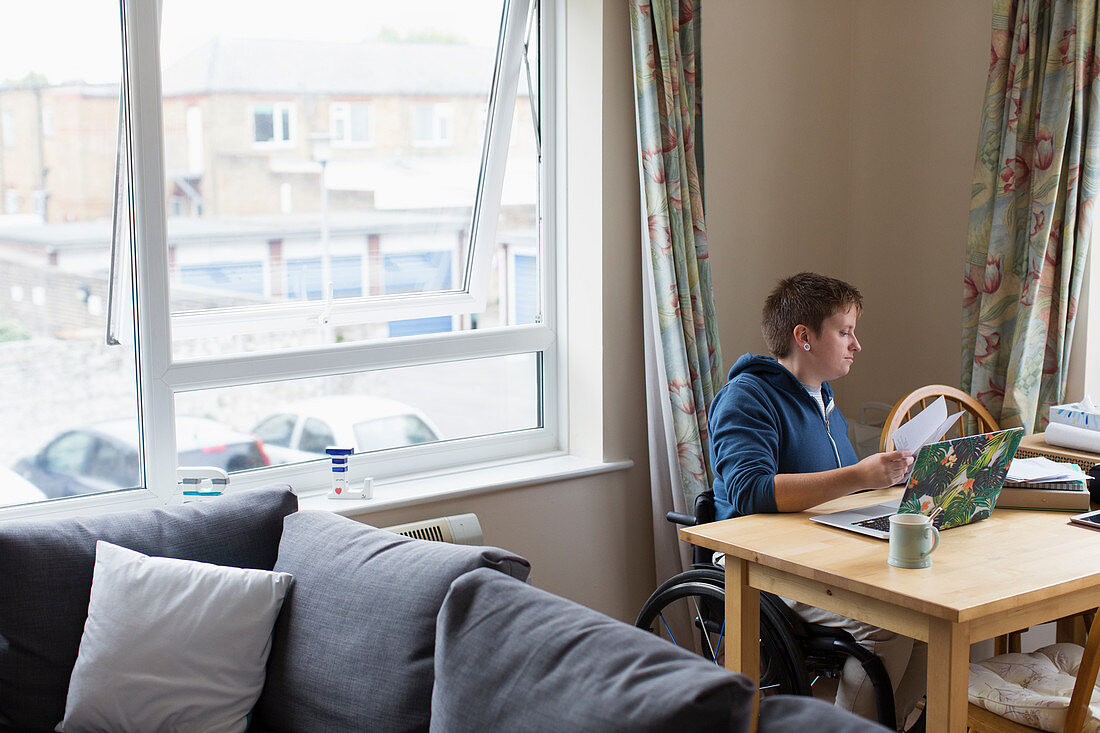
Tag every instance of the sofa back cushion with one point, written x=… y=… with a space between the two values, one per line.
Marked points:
x=46 y=580
x=516 y=658
x=354 y=643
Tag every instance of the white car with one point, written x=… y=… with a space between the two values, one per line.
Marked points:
x=302 y=430
x=14 y=489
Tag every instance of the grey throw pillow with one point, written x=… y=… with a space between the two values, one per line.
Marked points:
x=46 y=580
x=514 y=658
x=354 y=643
x=171 y=644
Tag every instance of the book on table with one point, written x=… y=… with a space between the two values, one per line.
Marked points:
x=1040 y=483
x=1065 y=496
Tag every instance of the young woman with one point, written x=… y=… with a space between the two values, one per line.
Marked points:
x=779 y=444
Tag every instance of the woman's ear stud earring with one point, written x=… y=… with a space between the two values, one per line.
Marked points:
x=806 y=347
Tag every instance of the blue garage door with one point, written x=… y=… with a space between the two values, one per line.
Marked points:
x=418 y=272
x=526 y=288
x=236 y=277
x=303 y=277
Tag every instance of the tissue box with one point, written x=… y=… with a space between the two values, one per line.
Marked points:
x=1076 y=416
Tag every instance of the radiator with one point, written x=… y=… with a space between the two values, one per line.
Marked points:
x=458 y=529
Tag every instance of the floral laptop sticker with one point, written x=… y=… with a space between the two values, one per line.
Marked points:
x=964 y=476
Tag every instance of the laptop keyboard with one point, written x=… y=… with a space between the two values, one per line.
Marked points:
x=882 y=524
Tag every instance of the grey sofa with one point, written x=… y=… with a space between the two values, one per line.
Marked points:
x=379 y=632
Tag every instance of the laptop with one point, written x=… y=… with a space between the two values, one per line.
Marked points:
x=965 y=475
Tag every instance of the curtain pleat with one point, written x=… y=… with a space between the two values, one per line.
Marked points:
x=1031 y=207
x=683 y=356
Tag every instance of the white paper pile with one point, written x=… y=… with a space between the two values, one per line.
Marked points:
x=1042 y=470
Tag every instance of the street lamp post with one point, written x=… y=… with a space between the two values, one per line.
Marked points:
x=322 y=153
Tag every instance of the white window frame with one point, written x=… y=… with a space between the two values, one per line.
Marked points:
x=341 y=111
x=282 y=136
x=47 y=122
x=472 y=289
x=442 y=124
x=161 y=377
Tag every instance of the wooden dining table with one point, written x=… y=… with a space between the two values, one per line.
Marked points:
x=1016 y=569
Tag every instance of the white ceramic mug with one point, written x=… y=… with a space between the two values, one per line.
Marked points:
x=913 y=539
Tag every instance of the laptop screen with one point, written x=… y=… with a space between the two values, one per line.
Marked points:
x=964 y=476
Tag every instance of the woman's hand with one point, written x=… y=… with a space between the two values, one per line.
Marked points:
x=885 y=469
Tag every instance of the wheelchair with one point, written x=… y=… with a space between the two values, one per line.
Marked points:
x=688 y=609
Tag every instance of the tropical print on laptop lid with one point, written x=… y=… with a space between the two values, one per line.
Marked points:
x=964 y=476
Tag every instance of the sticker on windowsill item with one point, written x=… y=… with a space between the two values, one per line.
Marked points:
x=358 y=490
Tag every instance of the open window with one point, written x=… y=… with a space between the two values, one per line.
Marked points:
x=276 y=256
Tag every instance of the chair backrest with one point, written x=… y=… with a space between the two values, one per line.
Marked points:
x=976 y=419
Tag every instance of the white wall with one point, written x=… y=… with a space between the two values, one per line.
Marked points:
x=841 y=138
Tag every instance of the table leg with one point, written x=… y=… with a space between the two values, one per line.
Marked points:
x=743 y=626
x=948 y=674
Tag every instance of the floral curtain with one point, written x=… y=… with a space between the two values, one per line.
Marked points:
x=684 y=363
x=1035 y=181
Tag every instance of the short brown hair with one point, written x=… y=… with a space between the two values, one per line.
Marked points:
x=808 y=299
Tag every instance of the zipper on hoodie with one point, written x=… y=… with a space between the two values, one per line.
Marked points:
x=825 y=419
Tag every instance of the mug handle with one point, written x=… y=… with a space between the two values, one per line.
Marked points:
x=935 y=541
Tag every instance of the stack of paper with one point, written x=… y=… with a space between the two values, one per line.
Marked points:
x=1042 y=470
x=1040 y=483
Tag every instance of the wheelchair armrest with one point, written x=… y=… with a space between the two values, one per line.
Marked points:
x=680 y=518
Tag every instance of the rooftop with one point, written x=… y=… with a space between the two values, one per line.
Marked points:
x=253 y=65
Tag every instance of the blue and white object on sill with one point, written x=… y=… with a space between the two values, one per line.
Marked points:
x=201 y=482
x=1075 y=425
x=341 y=488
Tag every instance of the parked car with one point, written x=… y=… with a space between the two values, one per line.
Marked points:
x=302 y=430
x=104 y=456
x=14 y=489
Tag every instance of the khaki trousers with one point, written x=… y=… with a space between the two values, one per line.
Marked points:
x=906 y=662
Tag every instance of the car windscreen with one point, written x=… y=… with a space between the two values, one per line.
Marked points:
x=392 y=432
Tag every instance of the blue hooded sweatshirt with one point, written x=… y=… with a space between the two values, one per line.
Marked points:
x=763 y=423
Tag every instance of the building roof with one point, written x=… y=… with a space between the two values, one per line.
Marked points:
x=252 y=65
x=185 y=229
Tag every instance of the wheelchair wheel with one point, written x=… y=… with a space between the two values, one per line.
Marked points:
x=689 y=611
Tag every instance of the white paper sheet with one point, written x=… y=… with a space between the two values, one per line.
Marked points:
x=926 y=427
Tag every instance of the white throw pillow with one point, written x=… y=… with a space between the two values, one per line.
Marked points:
x=171 y=645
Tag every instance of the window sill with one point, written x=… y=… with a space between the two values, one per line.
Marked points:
x=393 y=493
x=483 y=478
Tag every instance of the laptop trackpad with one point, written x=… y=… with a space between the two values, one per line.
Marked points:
x=877 y=510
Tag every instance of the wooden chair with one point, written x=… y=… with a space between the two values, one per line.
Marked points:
x=976 y=420
x=980 y=720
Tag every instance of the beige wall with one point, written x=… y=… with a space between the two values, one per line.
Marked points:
x=590 y=539
x=846 y=146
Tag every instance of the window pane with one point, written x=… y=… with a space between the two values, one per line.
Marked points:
x=276 y=430
x=360 y=123
x=68 y=420
x=264 y=124
x=372 y=119
x=378 y=410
